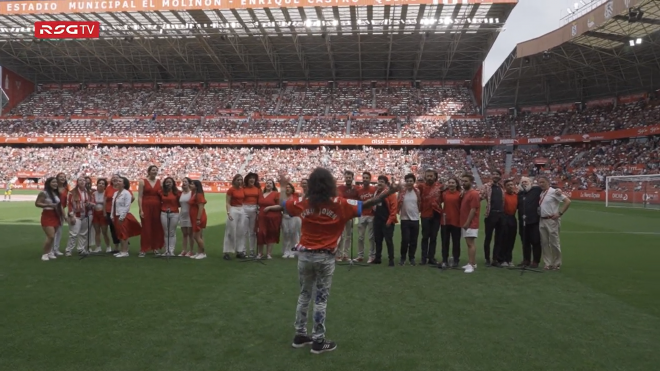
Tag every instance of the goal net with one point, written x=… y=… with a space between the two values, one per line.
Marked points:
x=633 y=191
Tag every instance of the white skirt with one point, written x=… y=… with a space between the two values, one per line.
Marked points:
x=184 y=219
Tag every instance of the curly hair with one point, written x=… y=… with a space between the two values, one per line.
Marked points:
x=321 y=187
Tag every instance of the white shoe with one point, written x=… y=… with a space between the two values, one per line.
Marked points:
x=469 y=268
x=285 y=256
x=268 y=257
x=45 y=258
x=96 y=250
x=122 y=255
x=68 y=253
x=108 y=250
x=194 y=256
x=142 y=255
x=58 y=253
x=52 y=256
x=200 y=256
x=468 y=265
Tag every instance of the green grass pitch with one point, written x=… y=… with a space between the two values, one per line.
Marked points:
x=600 y=312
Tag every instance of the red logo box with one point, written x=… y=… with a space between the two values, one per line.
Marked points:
x=67 y=30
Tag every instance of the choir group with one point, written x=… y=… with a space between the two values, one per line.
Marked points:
x=257 y=217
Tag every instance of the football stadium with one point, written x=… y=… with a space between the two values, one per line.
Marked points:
x=350 y=182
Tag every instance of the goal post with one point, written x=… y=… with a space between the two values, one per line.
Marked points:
x=633 y=191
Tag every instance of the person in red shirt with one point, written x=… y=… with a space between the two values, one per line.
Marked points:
x=451 y=223
x=469 y=217
x=197 y=209
x=384 y=221
x=269 y=220
x=169 y=213
x=251 y=192
x=366 y=221
x=51 y=215
x=509 y=224
x=324 y=216
x=430 y=215
x=235 y=232
x=349 y=192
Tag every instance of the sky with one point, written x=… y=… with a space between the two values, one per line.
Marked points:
x=529 y=19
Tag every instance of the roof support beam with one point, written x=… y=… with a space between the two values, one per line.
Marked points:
x=453 y=45
x=332 y=59
x=301 y=55
x=241 y=53
x=214 y=57
x=359 y=43
x=420 y=52
x=496 y=80
x=270 y=51
x=389 y=57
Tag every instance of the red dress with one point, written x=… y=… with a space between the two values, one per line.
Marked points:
x=130 y=227
x=268 y=223
x=152 y=237
x=197 y=199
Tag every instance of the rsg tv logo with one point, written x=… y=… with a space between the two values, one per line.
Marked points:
x=67 y=30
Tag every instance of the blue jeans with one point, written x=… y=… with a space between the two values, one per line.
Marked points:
x=315 y=270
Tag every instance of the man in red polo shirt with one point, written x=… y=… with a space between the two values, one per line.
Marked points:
x=323 y=216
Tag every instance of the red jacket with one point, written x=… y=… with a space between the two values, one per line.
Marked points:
x=402 y=194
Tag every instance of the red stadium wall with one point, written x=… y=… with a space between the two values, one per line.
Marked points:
x=477 y=89
x=16 y=87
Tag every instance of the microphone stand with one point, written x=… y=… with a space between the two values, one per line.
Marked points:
x=524 y=268
x=86 y=251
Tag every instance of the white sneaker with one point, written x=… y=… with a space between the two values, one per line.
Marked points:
x=269 y=257
x=200 y=256
x=285 y=256
x=68 y=253
x=52 y=256
x=469 y=268
x=45 y=258
x=142 y=255
x=122 y=255
x=468 y=265
x=58 y=253
x=96 y=250
x=108 y=250
x=194 y=256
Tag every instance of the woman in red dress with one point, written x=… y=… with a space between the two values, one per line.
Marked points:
x=169 y=213
x=152 y=238
x=197 y=211
x=126 y=226
x=99 y=219
x=51 y=216
x=269 y=220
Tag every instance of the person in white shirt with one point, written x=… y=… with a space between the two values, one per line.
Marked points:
x=550 y=222
x=126 y=226
x=409 y=204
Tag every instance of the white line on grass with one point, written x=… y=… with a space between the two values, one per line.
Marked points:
x=610 y=232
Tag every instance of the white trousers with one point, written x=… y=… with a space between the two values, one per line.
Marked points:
x=551 y=248
x=366 y=229
x=78 y=234
x=58 y=239
x=250 y=223
x=169 y=230
x=290 y=234
x=92 y=233
x=235 y=231
x=345 y=241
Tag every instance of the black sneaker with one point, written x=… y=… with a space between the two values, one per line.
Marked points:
x=402 y=262
x=391 y=264
x=412 y=262
x=300 y=341
x=226 y=257
x=325 y=346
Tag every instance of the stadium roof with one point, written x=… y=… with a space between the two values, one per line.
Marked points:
x=610 y=51
x=234 y=41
